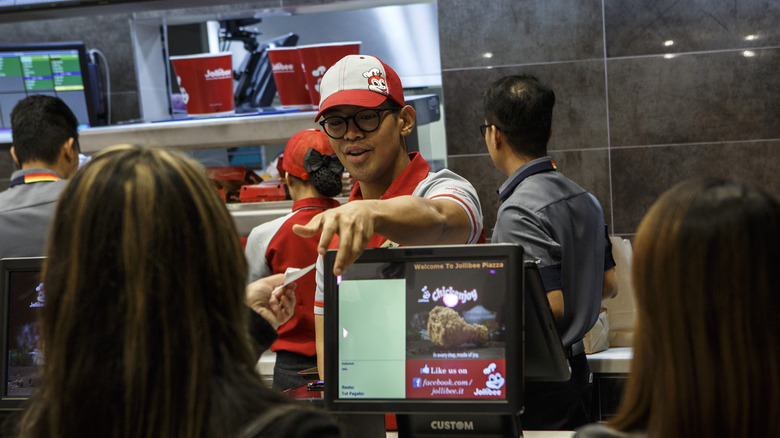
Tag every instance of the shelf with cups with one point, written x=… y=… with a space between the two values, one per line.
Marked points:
x=201 y=132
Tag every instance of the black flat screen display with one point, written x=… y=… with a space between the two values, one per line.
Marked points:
x=426 y=329
x=55 y=69
x=21 y=298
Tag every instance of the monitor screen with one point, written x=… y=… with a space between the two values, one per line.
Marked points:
x=21 y=299
x=425 y=329
x=56 y=69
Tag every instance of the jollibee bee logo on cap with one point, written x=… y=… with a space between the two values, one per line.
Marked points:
x=376 y=82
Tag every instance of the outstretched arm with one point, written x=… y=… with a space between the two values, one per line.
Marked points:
x=406 y=220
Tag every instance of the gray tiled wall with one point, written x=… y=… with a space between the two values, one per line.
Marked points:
x=633 y=115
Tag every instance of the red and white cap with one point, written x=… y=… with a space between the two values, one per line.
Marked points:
x=360 y=80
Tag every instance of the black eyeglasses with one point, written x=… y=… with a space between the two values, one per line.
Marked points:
x=483 y=128
x=367 y=120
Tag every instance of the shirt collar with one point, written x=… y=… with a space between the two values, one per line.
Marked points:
x=544 y=164
x=315 y=202
x=29 y=176
x=405 y=183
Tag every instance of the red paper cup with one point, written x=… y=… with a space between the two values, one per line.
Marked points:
x=317 y=58
x=288 y=76
x=206 y=82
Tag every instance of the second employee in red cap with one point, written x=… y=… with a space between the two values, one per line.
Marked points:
x=312 y=173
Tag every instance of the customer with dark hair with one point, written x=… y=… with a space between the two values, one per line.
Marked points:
x=312 y=172
x=46 y=150
x=706 y=273
x=144 y=327
x=562 y=228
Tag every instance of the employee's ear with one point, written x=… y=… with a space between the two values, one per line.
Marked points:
x=407 y=116
x=68 y=150
x=498 y=138
x=13 y=156
x=290 y=180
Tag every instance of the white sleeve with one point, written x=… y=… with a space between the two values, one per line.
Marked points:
x=446 y=184
x=256 y=246
x=319 y=292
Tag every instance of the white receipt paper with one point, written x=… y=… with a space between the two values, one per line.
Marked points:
x=292 y=274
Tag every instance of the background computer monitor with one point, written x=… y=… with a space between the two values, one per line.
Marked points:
x=427 y=330
x=60 y=69
x=255 y=88
x=21 y=299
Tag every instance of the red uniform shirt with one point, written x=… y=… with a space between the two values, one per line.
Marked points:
x=273 y=247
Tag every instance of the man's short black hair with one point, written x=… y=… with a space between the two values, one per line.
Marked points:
x=521 y=107
x=40 y=124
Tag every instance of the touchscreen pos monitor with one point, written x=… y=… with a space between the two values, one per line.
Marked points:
x=433 y=334
x=21 y=299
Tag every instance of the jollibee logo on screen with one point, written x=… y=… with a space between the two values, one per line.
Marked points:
x=41 y=298
x=495 y=381
x=448 y=295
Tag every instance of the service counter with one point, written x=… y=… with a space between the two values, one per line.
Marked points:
x=610 y=369
x=611 y=361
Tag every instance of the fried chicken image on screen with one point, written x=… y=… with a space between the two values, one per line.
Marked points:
x=448 y=329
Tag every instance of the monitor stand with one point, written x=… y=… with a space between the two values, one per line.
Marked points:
x=353 y=425
x=465 y=425
x=360 y=425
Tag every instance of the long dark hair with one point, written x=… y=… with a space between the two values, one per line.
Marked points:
x=706 y=270
x=144 y=331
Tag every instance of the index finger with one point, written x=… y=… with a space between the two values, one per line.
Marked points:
x=351 y=246
x=329 y=230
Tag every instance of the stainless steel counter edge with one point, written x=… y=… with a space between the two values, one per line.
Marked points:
x=201 y=133
x=615 y=360
x=249 y=215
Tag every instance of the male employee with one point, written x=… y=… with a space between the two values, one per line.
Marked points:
x=396 y=200
x=562 y=228
x=46 y=149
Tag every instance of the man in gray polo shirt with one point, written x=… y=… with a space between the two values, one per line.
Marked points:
x=45 y=148
x=562 y=228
